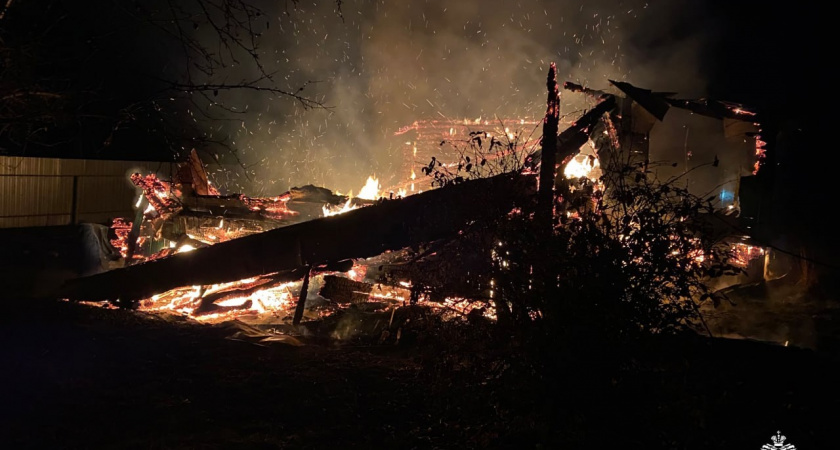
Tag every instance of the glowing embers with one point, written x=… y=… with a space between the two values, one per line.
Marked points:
x=160 y=195
x=121 y=229
x=268 y=300
x=269 y=207
x=459 y=307
x=226 y=301
x=760 y=152
x=742 y=254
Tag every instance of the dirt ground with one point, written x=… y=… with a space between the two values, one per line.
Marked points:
x=81 y=377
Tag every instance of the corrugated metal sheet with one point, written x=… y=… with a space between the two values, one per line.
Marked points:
x=34 y=221
x=39 y=191
x=15 y=165
x=104 y=218
x=35 y=195
x=105 y=194
x=110 y=168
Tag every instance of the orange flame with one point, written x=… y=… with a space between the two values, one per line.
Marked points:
x=583 y=166
x=370 y=191
x=336 y=210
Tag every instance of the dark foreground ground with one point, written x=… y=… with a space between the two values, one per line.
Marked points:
x=80 y=377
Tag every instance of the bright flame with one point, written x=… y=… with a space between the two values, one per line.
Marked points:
x=336 y=210
x=371 y=189
x=185 y=248
x=583 y=166
x=357 y=273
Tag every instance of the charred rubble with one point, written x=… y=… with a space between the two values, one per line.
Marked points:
x=194 y=251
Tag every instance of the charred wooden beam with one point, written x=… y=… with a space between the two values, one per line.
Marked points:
x=301 y=303
x=654 y=103
x=192 y=176
x=345 y=290
x=283 y=208
x=571 y=139
x=657 y=103
x=574 y=87
x=548 y=158
x=716 y=109
x=334 y=266
x=134 y=234
x=361 y=233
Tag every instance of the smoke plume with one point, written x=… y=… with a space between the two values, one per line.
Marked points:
x=378 y=66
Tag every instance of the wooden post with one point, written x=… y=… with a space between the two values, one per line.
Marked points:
x=301 y=304
x=548 y=156
x=74 y=201
x=134 y=234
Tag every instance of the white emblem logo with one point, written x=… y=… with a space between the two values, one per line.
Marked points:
x=778 y=443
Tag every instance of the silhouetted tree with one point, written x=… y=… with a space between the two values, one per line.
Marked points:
x=96 y=79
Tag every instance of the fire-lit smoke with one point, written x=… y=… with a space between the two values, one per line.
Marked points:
x=380 y=66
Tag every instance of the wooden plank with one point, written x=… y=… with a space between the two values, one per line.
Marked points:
x=360 y=233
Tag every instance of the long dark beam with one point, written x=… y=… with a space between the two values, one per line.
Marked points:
x=361 y=233
x=548 y=155
x=571 y=139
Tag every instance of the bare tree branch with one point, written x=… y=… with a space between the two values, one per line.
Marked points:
x=52 y=108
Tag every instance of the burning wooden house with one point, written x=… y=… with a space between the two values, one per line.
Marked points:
x=425 y=140
x=193 y=251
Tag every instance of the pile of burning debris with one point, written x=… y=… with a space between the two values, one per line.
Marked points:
x=188 y=213
x=182 y=219
x=309 y=252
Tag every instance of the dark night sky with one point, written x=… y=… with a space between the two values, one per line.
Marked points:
x=383 y=64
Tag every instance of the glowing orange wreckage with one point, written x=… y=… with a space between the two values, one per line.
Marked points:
x=222 y=257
